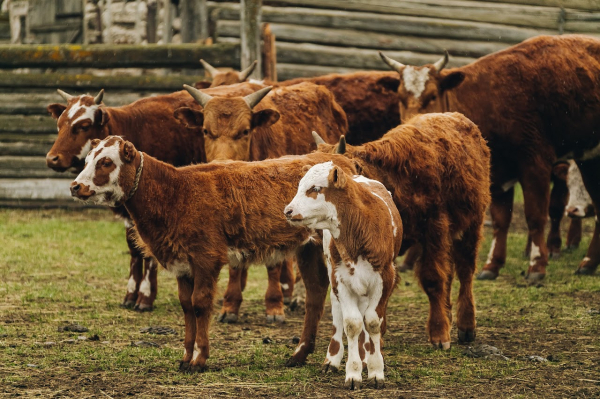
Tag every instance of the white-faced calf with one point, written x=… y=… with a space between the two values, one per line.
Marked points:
x=362 y=233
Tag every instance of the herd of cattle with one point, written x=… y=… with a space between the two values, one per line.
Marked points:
x=347 y=172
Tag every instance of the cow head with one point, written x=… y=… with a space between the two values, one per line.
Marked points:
x=222 y=78
x=314 y=204
x=227 y=123
x=110 y=172
x=79 y=122
x=422 y=89
x=580 y=203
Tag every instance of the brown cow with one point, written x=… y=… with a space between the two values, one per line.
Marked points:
x=148 y=123
x=261 y=127
x=437 y=168
x=196 y=219
x=224 y=78
x=533 y=102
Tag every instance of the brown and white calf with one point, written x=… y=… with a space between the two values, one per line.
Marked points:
x=437 y=168
x=150 y=125
x=362 y=233
x=268 y=124
x=196 y=219
x=527 y=101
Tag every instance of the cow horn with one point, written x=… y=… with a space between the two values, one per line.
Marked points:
x=341 y=147
x=253 y=99
x=246 y=72
x=98 y=98
x=317 y=138
x=64 y=95
x=395 y=65
x=212 y=71
x=442 y=62
x=201 y=98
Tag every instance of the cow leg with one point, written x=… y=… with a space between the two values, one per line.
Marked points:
x=287 y=280
x=464 y=253
x=335 y=351
x=314 y=273
x=274 y=296
x=232 y=300
x=136 y=267
x=558 y=201
x=536 y=193
x=411 y=257
x=186 y=288
x=299 y=295
x=202 y=301
x=574 y=233
x=589 y=173
x=148 y=287
x=353 y=327
x=501 y=212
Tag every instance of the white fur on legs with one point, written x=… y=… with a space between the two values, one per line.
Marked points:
x=375 y=360
x=334 y=360
x=353 y=326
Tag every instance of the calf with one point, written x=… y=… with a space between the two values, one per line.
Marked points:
x=534 y=102
x=437 y=168
x=266 y=124
x=148 y=123
x=362 y=233
x=195 y=219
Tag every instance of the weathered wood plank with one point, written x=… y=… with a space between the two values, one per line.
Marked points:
x=250 y=21
x=122 y=56
x=579 y=4
x=370 y=40
x=291 y=71
x=27 y=124
x=22 y=167
x=24 y=148
x=35 y=189
x=393 y=24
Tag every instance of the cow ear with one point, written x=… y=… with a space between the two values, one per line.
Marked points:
x=102 y=116
x=56 y=110
x=95 y=143
x=202 y=85
x=337 y=178
x=128 y=151
x=451 y=80
x=358 y=167
x=560 y=170
x=264 y=118
x=390 y=83
x=190 y=118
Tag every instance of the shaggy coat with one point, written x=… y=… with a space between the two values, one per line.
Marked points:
x=436 y=167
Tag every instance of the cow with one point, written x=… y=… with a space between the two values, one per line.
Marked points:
x=223 y=78
x=534 y=102
x=195 y=219
x=268 y=125
x=362 y=233
x=436 y=167
x=148 y=123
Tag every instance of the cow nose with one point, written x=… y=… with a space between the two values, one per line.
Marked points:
x=52 y=160
x=75 y=189
x=288 y=212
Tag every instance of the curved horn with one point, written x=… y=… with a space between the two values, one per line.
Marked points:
x=212 y=71
x=341 y=147
x=65 y=95
x=201 y=98
x=98 y=98
x=246 y=72
x=442 y=62
x=253 y=99
x=317 y=138
x=395 y=65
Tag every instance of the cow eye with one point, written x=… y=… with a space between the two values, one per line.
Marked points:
x=205 y=131
x=246 y=132
x=316 y=189
x=84 y=128
x=107 y=163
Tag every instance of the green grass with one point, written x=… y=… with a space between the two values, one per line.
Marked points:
x=60 y=266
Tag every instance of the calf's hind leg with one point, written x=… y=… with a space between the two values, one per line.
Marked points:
x=501 y=211
x=148 y=287
x=232 y=299
x=136 y=267
x=274 y=296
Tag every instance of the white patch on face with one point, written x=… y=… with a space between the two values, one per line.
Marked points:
x=84 y=150
x=415 y=79
x=535 y=254
x=491 y=253
x=86 y=176
x=317 y=213
x=131 y=285
x=89 y=112
x=197 y=352
x=579 y=198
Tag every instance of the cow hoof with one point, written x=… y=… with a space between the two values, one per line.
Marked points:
x=466 y=336
x=142 y=307
x=275 y=318
x=293 y=362
x=572 y=247
x=352 y=385
x=534 y=277
x=554 y=255
x=128 y=304
x=184 y=366
x=228 y=318
x=378 y=384
x=328 y=368
x=442 y=345
x=197 y=369
x=583 y=271
x=404 y=268
x=487 y=275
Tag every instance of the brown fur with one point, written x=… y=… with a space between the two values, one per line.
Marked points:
x=437 y=168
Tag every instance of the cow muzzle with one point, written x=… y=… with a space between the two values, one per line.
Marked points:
x=291 y=218
x=81 y=191
x=576 y=212
x=55 y=162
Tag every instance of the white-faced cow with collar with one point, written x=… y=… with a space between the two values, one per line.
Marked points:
x=196 y=219
x=362 y=233
x=535 y=102
x=150 y=125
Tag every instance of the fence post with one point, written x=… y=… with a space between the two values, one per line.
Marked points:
x=251 y=21
x=269 y=54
